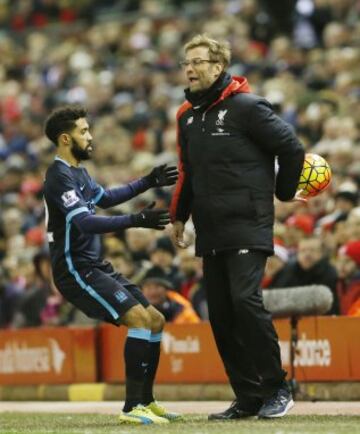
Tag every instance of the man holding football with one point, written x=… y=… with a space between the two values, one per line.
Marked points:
x=228 y=140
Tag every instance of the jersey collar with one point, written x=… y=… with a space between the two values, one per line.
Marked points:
x=57 y=158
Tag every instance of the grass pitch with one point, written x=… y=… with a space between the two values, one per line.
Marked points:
x=38 y=423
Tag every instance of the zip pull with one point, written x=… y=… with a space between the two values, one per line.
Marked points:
x=203 y=120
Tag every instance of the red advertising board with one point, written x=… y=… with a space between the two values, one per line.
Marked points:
x=47 y=356
x=328 y=349
x=188 y=355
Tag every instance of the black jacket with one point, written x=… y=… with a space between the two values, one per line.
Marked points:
x=227 y=170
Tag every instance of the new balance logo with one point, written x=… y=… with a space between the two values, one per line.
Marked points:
x=243 y=251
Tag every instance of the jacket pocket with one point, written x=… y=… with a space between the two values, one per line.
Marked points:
x=264 y=209
x=230 y=207
x=201 y=213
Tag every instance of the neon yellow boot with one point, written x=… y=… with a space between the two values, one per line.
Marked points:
x=141 y=415
x=161 y=411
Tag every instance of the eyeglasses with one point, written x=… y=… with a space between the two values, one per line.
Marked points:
x=195 y=62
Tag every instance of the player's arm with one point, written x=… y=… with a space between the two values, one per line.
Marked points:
x=278 y=138
x=147 y=218
x=62 y=191
x=160 y=176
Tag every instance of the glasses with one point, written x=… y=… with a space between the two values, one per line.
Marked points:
x=195 y=62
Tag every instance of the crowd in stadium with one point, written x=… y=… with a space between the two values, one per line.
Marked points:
x=121 y=62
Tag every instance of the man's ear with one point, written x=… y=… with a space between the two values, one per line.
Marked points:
x=65 y=139
x=219 y=68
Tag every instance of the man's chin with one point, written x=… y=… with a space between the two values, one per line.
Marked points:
x=194 y=88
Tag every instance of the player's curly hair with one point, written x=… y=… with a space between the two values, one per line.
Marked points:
x=62 y=120
x=218 y=50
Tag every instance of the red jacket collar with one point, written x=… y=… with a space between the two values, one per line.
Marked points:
x=237 y=85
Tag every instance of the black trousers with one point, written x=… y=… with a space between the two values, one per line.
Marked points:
x=242 y=327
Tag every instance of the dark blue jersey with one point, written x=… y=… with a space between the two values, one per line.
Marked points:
x=70 y=191
x=70 y=197
x=73 y=234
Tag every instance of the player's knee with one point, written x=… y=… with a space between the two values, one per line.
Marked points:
x=157 y=322
x=137 y=317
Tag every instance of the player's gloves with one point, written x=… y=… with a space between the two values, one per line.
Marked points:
x=151 y=218
x=161 y=176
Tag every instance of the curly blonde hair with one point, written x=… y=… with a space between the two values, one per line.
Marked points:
x=218 y=51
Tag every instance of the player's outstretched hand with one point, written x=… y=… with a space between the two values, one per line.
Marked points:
x=162 y=176
x=151 y=218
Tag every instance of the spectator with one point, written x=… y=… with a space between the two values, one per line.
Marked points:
x=123 y=68
x=192 y=286
x=298 y=227
x=275 y=264
x=344 y=202
x=32 y=302
x=162 y=255
x=348 y=268
x=175 y=308
x=311 y=267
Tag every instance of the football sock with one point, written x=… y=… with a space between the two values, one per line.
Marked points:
x=136 y=353
x=153 y=359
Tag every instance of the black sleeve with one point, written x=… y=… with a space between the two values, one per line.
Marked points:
x=93 y=224
x=277 y=137
x=181 y=200
x=117 y=195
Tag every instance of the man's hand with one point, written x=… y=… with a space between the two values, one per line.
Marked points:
x=162 y=176
x=178 y=232
x=299 y=197
x=151 y=218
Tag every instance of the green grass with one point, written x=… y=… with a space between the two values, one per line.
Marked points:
x=37 y=423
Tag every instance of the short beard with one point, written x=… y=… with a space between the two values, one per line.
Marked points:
x=78 y=153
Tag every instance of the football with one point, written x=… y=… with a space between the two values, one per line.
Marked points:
x=315 y=176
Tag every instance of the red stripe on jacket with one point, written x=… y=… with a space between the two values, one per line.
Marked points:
x=175 y=198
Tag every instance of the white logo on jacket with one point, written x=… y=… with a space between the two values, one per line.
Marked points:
x=69 y=198
x=221 y=116
x=220 y=123
x=190 y=120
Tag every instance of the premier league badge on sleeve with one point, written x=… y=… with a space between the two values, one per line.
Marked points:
x=69 y=198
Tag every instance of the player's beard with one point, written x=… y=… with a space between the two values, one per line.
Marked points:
x=78 y=152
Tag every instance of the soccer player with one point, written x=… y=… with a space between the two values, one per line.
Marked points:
x=228 y=141
x=82 y=276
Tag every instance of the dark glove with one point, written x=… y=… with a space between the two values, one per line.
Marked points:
x=151 y=218
x=161 y=176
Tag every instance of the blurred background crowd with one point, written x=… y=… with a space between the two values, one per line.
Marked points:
x=120 y=59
